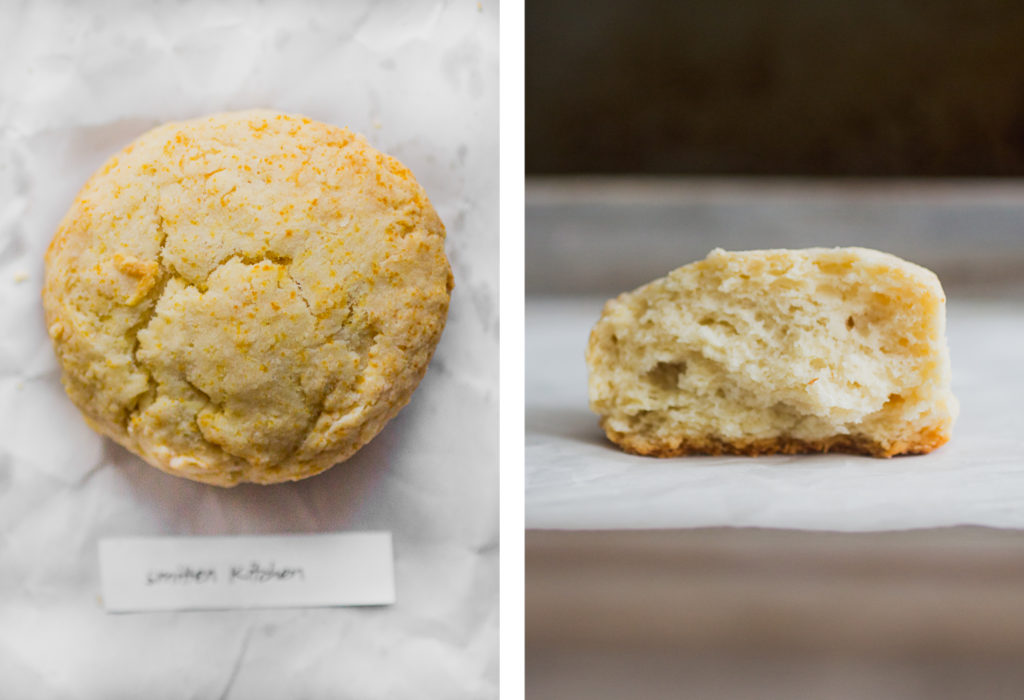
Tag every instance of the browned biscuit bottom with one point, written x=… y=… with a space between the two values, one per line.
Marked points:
x=923 y=442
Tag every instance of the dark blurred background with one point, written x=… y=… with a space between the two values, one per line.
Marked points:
x=784 y=87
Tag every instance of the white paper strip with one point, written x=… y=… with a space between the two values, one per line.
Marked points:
x=203 y=573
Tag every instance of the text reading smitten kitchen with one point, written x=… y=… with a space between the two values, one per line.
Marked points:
x=254 y=572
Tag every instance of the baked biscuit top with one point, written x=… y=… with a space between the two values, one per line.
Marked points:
x=248 y=296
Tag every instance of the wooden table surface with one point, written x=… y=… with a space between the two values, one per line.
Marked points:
x=736 y=613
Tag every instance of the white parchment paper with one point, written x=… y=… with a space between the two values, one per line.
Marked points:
x=77 y=82
x=576 y=479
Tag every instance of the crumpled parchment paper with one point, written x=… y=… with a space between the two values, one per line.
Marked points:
x=78 y=82
x=577 y=479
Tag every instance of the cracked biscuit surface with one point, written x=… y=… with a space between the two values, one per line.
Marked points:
x=248 y=296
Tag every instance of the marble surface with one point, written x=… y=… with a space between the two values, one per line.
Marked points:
x=79 y=81
x=576 y=479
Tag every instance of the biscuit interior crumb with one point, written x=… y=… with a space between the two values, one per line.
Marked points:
x=776 y=350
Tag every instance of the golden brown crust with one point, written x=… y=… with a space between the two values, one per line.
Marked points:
x=923 y=442
x=246 y=297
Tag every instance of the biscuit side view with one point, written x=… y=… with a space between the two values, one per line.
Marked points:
x=246 y=297
x=776 y=351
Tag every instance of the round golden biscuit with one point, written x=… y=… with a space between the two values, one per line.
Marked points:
x=246 y=297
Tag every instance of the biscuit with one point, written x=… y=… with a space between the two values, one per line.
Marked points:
x=246 y=297
x=776 y=351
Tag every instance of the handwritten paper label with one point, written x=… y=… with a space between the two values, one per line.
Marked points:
x=205 y=573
